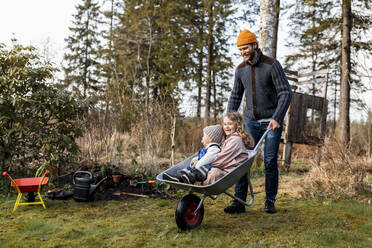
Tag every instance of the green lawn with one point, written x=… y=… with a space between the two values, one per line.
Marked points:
x=139 y=222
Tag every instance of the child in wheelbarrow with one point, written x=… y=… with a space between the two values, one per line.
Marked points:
x=199 y=167
x=234 y=148
x=233 y=151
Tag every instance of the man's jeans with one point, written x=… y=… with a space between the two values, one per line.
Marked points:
x=271 y=148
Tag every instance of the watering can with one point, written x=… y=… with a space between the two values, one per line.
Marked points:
x=83 y=187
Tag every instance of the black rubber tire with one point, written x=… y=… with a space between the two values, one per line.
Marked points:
x=185 y=218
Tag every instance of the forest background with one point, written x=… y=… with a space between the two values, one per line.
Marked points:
x=139 y=79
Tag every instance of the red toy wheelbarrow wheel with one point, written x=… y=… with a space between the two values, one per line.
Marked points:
x=185 y=217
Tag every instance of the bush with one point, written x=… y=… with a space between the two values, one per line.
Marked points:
x=340 y=174
x=38 y=122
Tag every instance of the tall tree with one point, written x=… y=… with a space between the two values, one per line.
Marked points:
x=81 y=60
x=269 y=23
x=108 y=53
x=153 y=53
x=219 y=16
x=210 y=48
x=344 y=109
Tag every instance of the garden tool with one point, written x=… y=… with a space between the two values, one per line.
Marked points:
x=134 y=183
x=130 y=194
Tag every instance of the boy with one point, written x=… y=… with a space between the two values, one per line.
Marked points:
x=200 y=165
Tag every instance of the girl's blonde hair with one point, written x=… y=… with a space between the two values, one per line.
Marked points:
x=237 y=119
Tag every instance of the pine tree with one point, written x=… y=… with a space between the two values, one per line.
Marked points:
x=344 y=110
x=219 y=18
x=81 y=60
x=153 y=54
x=108 y=54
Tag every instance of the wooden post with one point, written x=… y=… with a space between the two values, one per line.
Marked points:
x=323 y=127
x=319 y=155
x=287 y=150
x=172 y=138
x=287 y=153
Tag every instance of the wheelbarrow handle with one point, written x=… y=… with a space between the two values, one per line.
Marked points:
x=262 y=138
x=6 y=174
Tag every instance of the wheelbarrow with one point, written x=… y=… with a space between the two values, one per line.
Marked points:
x=190 y=209
x=30 y=184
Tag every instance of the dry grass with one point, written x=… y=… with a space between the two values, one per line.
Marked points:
x=145 y=149
x=339 y=175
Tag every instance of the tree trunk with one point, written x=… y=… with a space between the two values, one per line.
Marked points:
x=369 y=133
x=209 y=65
x=269 y=23
x=276 y=27
x=200 y=81
x=344 y=107
x=214 y=96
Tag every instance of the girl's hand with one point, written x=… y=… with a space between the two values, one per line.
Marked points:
x=193 y=162
x=273 y=125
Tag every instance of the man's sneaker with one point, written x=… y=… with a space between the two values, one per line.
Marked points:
x=270 y=207
x=235 y=208
x=169 y=177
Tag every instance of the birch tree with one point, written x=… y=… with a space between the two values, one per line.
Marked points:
x=269 y=22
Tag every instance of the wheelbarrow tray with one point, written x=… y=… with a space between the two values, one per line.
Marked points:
x=29 y=184
x=216 y=188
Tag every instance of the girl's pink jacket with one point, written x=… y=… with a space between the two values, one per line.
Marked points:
x=233 y=152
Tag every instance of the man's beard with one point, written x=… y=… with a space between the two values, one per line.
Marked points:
x=250 y=55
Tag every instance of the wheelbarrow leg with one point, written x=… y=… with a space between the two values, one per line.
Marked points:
x=199 y=205
x=41 y=199
x=19 y=197
x=250 y=189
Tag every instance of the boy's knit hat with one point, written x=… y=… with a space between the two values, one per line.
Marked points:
x=245 y=37
x=215 y=132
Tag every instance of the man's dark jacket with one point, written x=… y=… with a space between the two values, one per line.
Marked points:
x=266 y=88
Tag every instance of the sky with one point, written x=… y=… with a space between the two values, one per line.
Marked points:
x=44 y=24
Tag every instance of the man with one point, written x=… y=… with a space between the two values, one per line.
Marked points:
x=268 y=96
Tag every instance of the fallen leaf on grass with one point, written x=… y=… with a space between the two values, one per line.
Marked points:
x=75 y=230
x=122 y=235
x=44 y=239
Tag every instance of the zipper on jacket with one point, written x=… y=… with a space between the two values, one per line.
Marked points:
x=254 y=98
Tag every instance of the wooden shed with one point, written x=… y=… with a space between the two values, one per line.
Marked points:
x=306 y=118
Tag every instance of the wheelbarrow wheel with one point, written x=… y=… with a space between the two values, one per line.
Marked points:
x=185 y=217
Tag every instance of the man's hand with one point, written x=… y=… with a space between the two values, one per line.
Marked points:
x=273 y=125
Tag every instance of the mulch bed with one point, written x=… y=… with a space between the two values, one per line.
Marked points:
x=124 y=186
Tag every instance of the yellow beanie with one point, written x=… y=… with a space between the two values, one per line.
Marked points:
x=245 y=37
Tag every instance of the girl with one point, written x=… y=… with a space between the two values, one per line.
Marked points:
x=233 y=150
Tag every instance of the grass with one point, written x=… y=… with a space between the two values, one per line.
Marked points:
x=134 y=222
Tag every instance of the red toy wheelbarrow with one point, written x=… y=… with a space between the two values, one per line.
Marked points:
x=30 y=184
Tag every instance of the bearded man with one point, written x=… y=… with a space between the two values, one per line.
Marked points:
x=268 y=95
